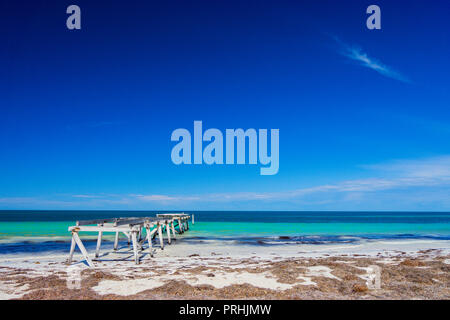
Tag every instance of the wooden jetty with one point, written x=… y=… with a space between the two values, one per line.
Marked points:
x=182 y=219
x=133 y=228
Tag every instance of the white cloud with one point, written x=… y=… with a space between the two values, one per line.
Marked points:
x=357 y=54
x=161 y=197
x=86 y=196
x=429 y=168
x=420 y=182
x=398 y=174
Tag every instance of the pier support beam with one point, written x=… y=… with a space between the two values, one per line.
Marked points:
x=82 y=248
x=149 y=239
x=168 y=232
x=99 y=243
x=135 y=250
x=180 y=226
x=173 y=230
x=116 y=241
x=72 y=249
x=161 y=240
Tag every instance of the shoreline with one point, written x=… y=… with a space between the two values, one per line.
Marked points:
x=413 y=269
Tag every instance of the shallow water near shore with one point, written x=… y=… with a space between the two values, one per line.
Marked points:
x=42 y=231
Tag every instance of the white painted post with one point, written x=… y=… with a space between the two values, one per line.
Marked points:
x=134 y=240
x=82 y=249
x=168 y=232
x=149 y=239
x=72 y=249
x=161 y=240
x=173 y=230
x=99 y=242
x=193 y=219
x=116 y=241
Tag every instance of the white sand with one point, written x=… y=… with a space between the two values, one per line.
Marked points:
x=220 y=280
x=176 y=260
x=321 y=271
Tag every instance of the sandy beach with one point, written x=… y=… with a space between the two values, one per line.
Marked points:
x=368 y=270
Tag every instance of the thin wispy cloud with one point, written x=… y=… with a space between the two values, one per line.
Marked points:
x=401 y=181
x=162 y=198
x=355 y=53
x=85 y=196
x=397 y=174
x=433 y=169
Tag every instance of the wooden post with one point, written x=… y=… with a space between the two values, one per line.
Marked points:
x=116 y=241
x=168 y=232
x=82 y=248
x=180 y=226
x=161 y=240
x=173 y=230
x=72 y=249
x=134 y=240
x=99 y=242
x=149 y=239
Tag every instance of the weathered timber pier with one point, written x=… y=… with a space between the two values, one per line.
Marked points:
x=134 y=229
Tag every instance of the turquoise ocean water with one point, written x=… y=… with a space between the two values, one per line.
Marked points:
x=23 y=230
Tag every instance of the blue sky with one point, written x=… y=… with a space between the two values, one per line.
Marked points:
x=86 y=116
